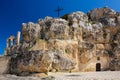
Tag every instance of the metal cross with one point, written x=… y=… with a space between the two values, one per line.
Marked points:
x=58 y=10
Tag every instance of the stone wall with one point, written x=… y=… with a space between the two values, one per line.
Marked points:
x=4 y=64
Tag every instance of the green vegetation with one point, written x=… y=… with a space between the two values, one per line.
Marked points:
x=35 y=40
x=65 y=16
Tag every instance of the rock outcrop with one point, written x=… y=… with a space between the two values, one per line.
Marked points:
x=54 y=28
x=40 y=62
x=82 y=42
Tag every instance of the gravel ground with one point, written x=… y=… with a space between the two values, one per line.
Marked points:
x=87 y=76
x=70 y=76
x=13 y=77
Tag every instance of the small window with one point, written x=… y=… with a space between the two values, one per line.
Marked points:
x=98 y=58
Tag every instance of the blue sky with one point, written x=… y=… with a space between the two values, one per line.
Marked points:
x=14 y=12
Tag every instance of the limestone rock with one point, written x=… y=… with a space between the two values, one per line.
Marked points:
x=79 y=16
x=104 y=15
x=54 y=29
x=79 y=19
x=99 y=13
x=118 y=19
x=100 y=46
x=80 y=42
x=4 y=64
x=30 y=31
x=40 y=61
x=115 y=65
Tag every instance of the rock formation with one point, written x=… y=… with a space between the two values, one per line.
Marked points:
x=80 y=42
x=40 y=61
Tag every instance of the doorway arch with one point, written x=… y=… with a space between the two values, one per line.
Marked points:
x=98 y=67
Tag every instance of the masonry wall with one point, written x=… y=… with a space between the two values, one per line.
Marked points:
x=4 y=64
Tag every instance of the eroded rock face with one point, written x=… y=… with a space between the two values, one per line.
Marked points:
x=51 y=43
x=99 y=13
x=106 y=16
x=40 y=61
x=30 y=31
x=54 y=28
x=79 y=19
x=115 y=64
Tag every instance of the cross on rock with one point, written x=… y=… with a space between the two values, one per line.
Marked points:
x=58 y=10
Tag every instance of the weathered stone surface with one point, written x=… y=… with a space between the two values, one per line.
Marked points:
x=99 y=13
x=100 y=46
x=4 y=64
x=30 y=31
x=115 y=64
x=79 y=19
x=40 y=61
x=118 y=18
x=51 y=43
x=54 y=28
x=106 y=16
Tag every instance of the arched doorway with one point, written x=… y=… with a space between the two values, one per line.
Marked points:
x=98 y=67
